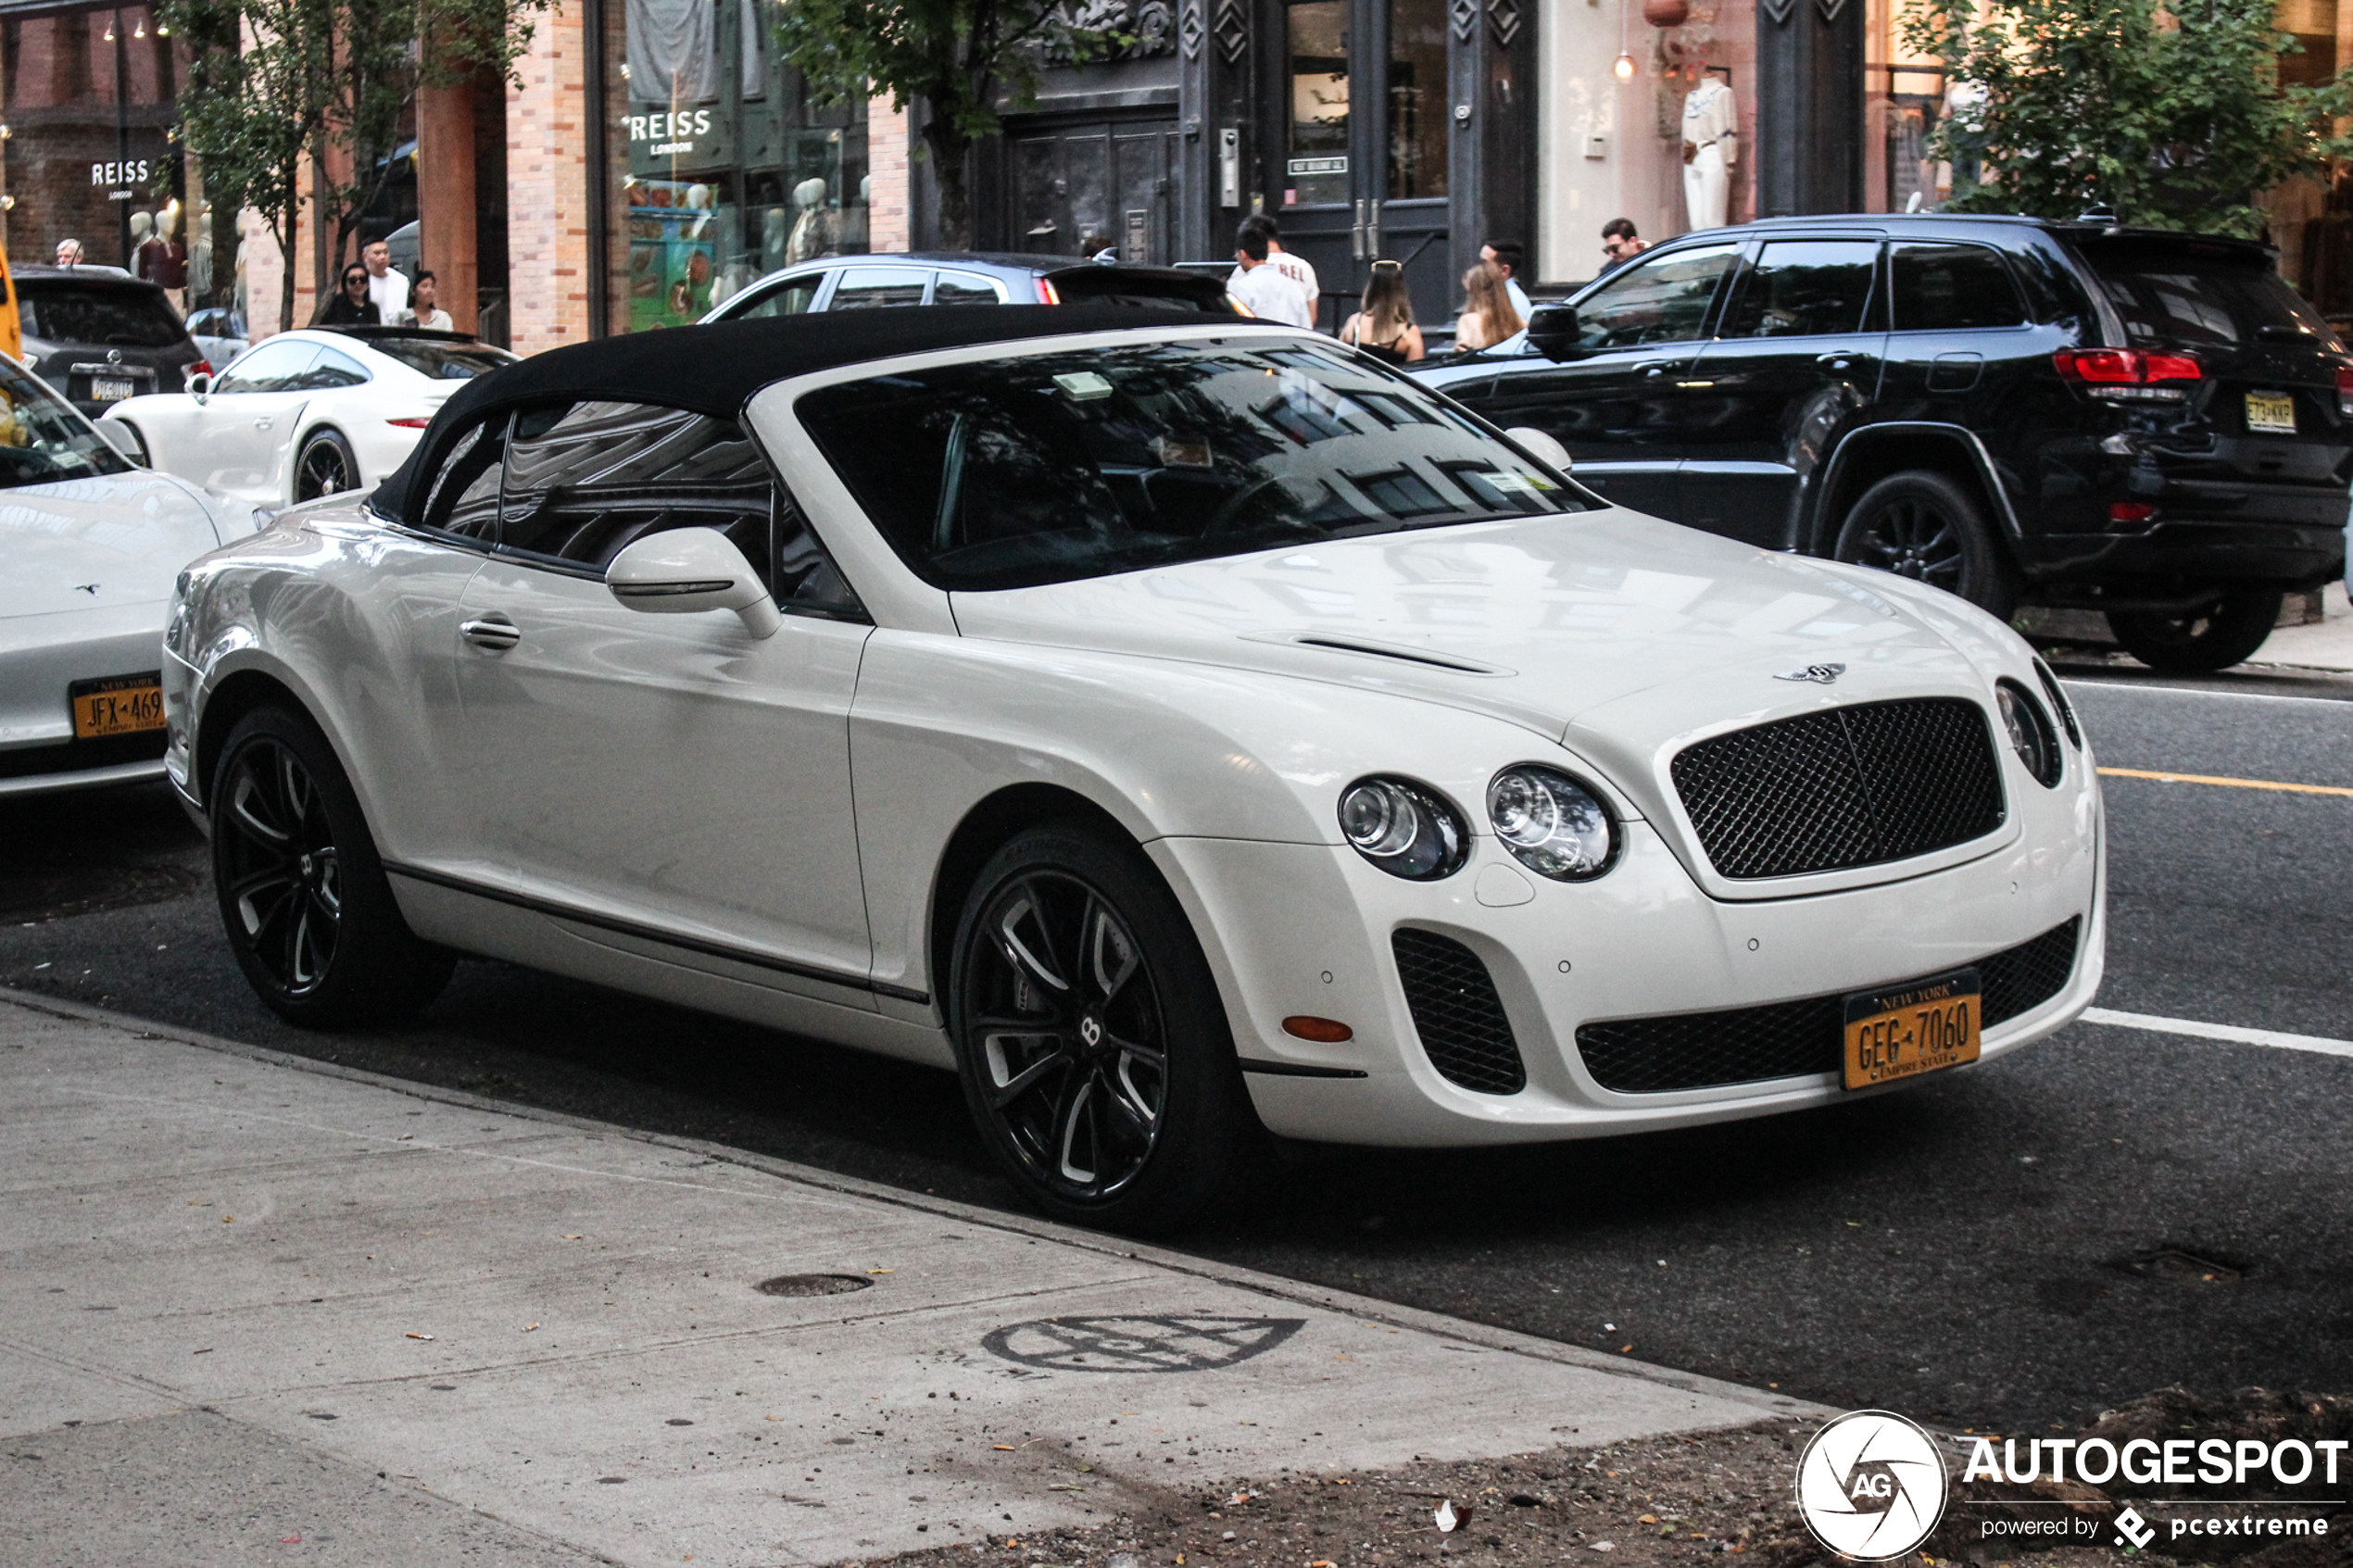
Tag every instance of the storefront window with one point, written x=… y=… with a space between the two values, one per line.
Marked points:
x=1417 y=99
x=724 y=169
x=89 y=153
x=1318 y=169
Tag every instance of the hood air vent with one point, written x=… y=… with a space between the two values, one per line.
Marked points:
x=1422 y=657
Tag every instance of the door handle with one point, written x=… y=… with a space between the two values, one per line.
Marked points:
x=1841 y=359
x=264 y=423
x=1356 y=234
x=492 y=633
x=1655 y=368
x=1372 y=234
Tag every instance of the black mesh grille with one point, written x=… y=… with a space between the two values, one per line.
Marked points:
x=1848 y=787
x=1457 y=1013
x=1699 y=1050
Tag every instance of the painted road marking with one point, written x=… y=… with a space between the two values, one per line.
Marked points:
x=2105 y=686
x=2230 y=783
x=2319 y=1044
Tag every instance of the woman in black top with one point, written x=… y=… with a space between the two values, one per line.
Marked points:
x=1384 y=328
x=351 y=306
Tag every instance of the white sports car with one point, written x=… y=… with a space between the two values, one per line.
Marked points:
x=88 y=546
x=1179 y=729
x=307 y=413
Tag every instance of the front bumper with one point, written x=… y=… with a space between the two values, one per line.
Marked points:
x=1308 y=930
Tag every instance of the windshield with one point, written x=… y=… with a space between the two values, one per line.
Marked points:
x=2172 y=295
x=1010 y=472
x=442 y=361
x=126 y=318
x=42 y=439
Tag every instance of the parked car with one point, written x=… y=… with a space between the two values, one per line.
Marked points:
x=88 y=546
x=2149 y=425
x=1243 y=735
x=100 y=336
x=220 y=333
x=859 y=283
x=307 y=413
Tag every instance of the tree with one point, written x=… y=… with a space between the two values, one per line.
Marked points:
x=2174 y=119
x=957 y=58
x=273 y=81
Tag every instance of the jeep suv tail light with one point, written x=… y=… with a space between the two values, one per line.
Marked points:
x=2345 y=390
x=2129 y=374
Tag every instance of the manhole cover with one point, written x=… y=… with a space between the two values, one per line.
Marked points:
x=2183 y=1268
x=811 y=1285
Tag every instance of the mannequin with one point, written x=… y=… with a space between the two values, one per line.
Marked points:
x=1711 y=145
x=160 y=258
x=812 y=232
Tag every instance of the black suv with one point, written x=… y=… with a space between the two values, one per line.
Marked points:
x=99 y=336
x=2150 y=424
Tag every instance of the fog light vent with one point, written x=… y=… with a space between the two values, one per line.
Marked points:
x=1457 y=1013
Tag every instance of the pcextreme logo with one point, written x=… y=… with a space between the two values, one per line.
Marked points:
x=1871 y=1485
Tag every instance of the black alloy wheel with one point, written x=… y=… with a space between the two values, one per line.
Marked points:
x=1090 y=1036
x=2199 y=642
x=1924 y=526
x=326 y=467
x=303 y=897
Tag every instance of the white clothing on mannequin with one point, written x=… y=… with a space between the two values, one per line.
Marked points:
x=1711 y=145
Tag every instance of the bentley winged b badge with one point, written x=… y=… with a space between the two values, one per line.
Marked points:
x=1821 y=674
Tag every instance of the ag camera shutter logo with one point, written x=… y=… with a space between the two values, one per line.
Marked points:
x=1871 y=1485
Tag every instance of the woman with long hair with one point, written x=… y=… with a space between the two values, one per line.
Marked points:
x=1487 y=317
x=351 y=306
x=1385 y=328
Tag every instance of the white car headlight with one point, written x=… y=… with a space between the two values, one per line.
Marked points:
x=1552 y=824
x=2032 y=736
x=1406 y=829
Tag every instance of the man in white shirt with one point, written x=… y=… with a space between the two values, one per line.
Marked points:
x=388 y=288
x=1506 y=255
x=1271 y=294
x=1295 y=267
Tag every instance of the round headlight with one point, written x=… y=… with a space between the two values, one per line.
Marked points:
x=1552 y=824
x=2031 y=733
x=1406 y=829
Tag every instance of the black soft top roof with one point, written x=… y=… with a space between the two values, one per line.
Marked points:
x=715 y=370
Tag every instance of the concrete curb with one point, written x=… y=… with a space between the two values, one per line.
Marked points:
x=1390 y=1313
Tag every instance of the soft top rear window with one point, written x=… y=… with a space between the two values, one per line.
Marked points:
x=1046 y=468
x=2189 y=294
x=65 y=312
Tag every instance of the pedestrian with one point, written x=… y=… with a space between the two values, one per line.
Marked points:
x=1266 y=288
x=1506 y=255
x=351 y=306
x=424 y=309
x=1295 y=267
x=1487 y=317
x=1621 y=244
x=388 y=288
x=1385 y=328
x=69 y=253
x=1098 y=247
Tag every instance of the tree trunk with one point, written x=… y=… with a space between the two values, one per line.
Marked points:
x=950 y=166
x=287 y=271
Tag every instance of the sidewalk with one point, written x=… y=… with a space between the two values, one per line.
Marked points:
x=262 y=1308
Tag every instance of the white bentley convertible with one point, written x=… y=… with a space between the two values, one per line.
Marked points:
x=1177 y=728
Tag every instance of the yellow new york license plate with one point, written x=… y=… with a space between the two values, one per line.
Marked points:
x=1912 y=1029
x=2271 y=413
x=118 y=705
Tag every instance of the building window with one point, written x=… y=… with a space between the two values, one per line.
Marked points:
x=90 y=153
x=722 y=169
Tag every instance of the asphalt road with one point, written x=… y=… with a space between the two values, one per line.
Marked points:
x=2106 y=1214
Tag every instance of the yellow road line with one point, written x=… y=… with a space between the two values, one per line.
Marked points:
x=2232 y=783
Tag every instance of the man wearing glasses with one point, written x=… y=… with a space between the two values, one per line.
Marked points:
x=1621 y=244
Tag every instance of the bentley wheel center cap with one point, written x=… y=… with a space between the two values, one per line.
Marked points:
x=1091 y=1030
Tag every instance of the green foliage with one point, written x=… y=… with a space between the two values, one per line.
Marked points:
x=2175 y=119
x=957 y=59
x=273 y=81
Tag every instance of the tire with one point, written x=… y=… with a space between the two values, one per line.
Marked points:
x=327 y=466
x=304 y=900
x=2225 y=633
x=1934 y=529
x=1116 y=1101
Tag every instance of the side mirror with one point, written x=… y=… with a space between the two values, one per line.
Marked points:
x=124 y=439
x=1552 y=331
x=685 y=570
x=1545 y=448
x=200 y=386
